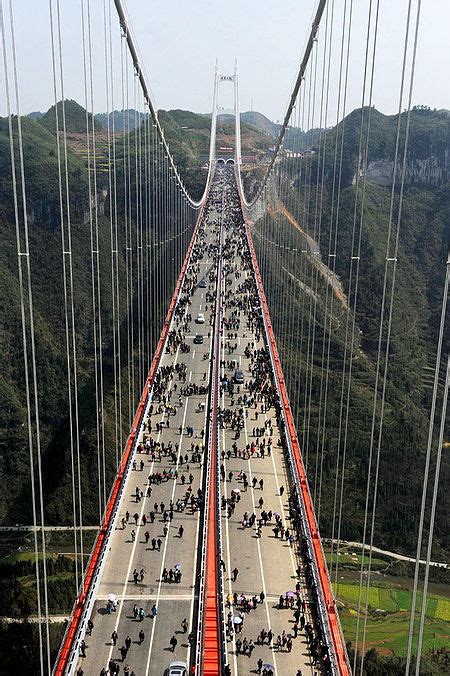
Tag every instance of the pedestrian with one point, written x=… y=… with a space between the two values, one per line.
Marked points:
x=133 y=535
x=262 y=596
x=114 y=637
x=90 y=626
x=173 y=643
x=141 y=637
x=184 y=625
x=159 y=543
x=234 y=574
x=123 y=651
x=128 y=642
x=83 y=648
x=180 y=532
x=281 y=490
x=259 y=665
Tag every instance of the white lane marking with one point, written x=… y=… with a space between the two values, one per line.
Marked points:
x=258 y=543
x=227 y=530
x=194 y=572
x=136 y=540
x=193 y=354
x=151 y=597
x=166 y=541
x=145 y=497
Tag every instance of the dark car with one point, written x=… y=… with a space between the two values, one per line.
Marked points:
x=198 y=340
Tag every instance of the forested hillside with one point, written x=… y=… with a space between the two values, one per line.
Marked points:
x=423 y=245
x=188 y=136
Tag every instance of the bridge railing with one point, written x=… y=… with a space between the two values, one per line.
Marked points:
x=326 y=607
x=68 y=653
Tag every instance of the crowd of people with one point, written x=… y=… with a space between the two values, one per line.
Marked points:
x=250 y=410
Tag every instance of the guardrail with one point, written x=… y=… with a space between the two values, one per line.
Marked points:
x=68 y=653
x=210 y=650
x=326 y=605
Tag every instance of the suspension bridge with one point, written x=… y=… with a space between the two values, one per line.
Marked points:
x=227 y=314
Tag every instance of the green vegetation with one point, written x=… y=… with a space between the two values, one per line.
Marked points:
x=19 y=646
x=423 y=241
x=75 y=116
x=18 y=593
x=298 y=290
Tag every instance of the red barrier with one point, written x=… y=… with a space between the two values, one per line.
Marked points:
x=211 y=640
x=335 y=630
x=64 y=654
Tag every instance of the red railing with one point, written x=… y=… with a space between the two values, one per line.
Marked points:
x=74 y=624
x=333 y=620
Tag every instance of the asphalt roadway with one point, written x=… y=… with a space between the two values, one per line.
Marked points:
x=265 y=563
x=175 y=601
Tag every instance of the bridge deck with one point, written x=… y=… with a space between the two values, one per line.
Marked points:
x=266 y=564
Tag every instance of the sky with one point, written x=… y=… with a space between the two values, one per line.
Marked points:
x=180 y=40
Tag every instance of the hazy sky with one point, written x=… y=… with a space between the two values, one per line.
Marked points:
x=179 y=41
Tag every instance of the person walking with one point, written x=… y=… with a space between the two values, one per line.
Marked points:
x=173 y=643
x=114 y=637
x=180 y=532
x=141 y=637
x=184 y=625
x=234 y=574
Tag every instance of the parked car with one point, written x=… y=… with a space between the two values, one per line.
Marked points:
x=239 y=376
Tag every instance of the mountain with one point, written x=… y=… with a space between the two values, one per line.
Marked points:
x=43 y=207
x=75 y=116
x=121 y=120
x=260 y=122
x=36 y=115
x=423 y=246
